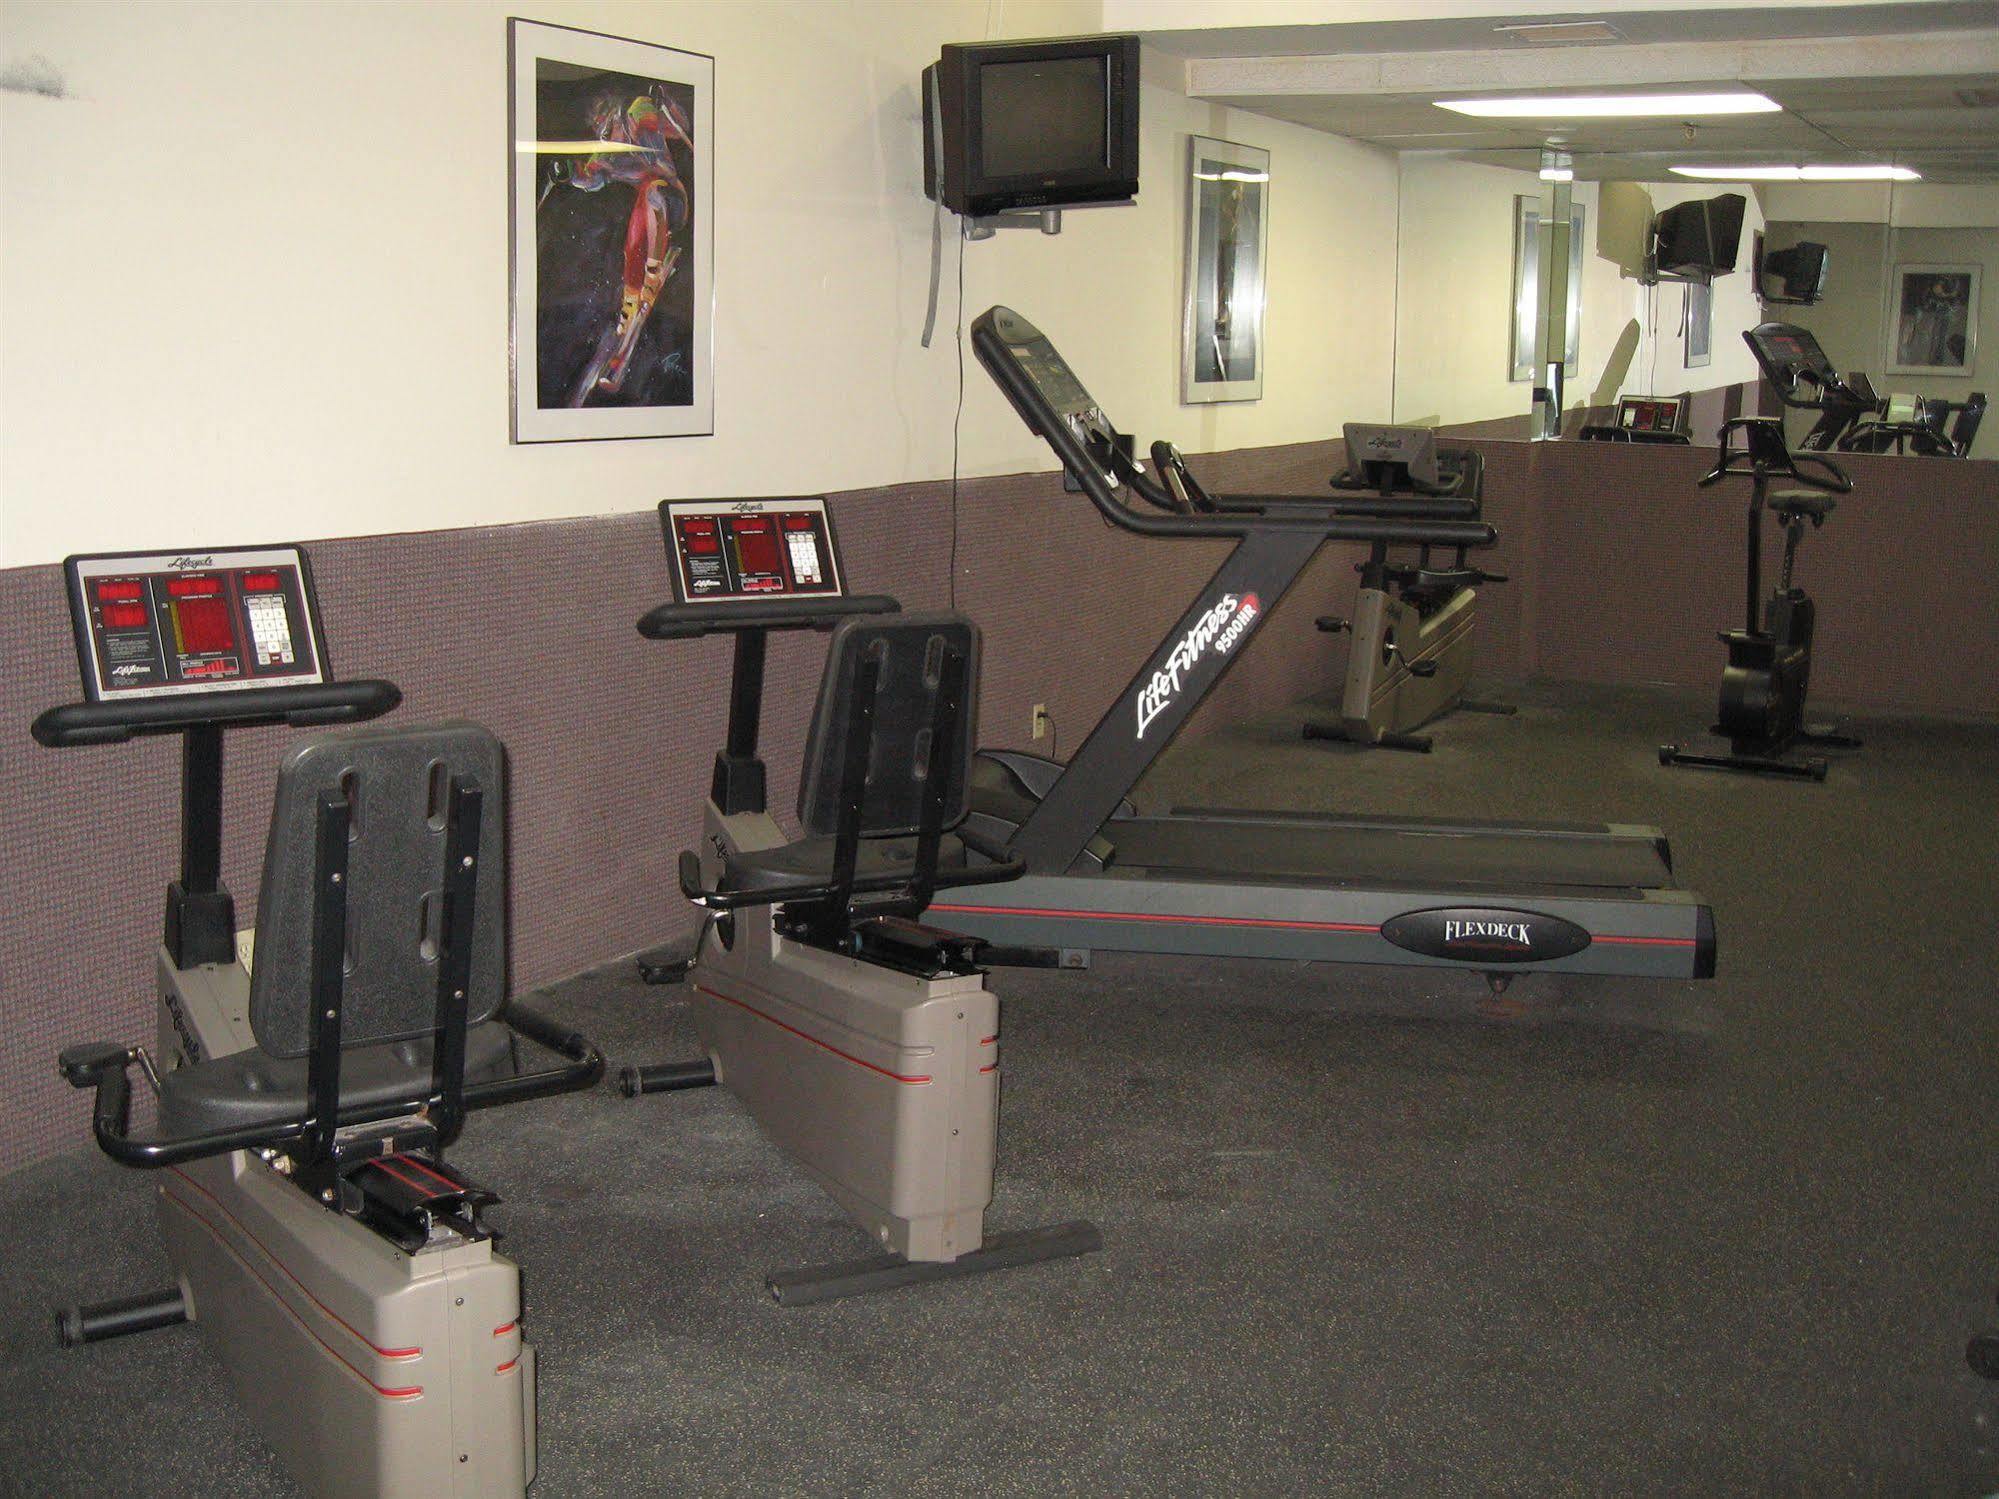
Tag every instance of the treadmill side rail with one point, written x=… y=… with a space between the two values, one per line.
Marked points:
x=1661 y=934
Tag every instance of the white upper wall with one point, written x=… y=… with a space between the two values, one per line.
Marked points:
x=253 y=271
x=1201 y=15
x=1908 y=205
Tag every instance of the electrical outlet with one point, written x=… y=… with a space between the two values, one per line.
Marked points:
x=1040 y=720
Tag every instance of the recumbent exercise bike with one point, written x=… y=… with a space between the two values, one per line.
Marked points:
x=336 y=1265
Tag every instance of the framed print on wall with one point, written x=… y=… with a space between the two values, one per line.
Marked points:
x=612 y=236
x=1933 y=320
x=1228 y=239
x=1697 y=324
x=1526 y=286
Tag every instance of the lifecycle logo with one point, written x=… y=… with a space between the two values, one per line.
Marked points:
x=1219 y=630
x=1484 y=935
x=748 y=507
x=191 y=564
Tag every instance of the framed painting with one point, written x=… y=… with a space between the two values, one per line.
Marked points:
x=612 y=262
x=1228 y=241
x=1697 y=324
x=1527 y=286
x=1933 y=320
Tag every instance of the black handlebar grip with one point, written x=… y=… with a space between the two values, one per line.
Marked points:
x=313 y=703
x=84 y=1065
x=728 y=616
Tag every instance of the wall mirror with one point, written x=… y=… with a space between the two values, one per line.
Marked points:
x=1624 y=114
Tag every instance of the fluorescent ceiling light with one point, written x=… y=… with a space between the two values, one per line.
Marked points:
x=1612 y=106
x=1860 y=173
x=1558 y=174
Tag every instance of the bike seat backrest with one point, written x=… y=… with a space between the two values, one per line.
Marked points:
x=397 y=781
x=909 y=651
x=1965 y=428
x=1464 y=470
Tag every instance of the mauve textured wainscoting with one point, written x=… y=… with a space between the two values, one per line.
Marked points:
x=528 y=629
x=1635 y=569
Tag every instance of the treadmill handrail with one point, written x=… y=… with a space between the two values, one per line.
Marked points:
x=1310 y=514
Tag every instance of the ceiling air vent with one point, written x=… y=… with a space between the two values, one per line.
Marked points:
x=1558 y=33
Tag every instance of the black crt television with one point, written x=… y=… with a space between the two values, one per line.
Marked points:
x=1802 y=271
x=1701 y=237
x=1023 y=125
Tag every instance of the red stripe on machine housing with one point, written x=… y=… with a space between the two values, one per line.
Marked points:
x=805 y=1036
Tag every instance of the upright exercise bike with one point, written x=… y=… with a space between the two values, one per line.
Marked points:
x=1411 y=652
x=1763 y=686
x=865 y=1043
x=338 y=1268
x=1412 y=622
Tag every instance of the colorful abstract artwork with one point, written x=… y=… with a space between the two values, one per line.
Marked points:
x=613 y=236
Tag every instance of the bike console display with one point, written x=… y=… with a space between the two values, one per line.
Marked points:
x=168 y=624
x=750 y=549
x=1652 y=416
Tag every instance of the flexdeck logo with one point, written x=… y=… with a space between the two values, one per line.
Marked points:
x=1219 y=630
x=1485 y=936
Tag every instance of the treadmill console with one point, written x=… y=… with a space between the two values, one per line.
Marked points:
x=165 y=624
x=750 y=549
x=1787 y=353
x=1034 y=360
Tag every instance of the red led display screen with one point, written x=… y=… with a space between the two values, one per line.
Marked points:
x=204 y=625
x=757 y=549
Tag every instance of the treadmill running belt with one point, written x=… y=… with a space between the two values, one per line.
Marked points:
x=1383 y=854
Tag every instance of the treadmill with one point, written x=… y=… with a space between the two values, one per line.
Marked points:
x=1495 y=897
x=1804 y=379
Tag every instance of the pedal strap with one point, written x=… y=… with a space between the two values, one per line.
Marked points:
x=403 y=1195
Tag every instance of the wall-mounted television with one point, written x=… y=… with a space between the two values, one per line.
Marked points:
x=1799 y=272
x=1021 y=125
x=1699 y=238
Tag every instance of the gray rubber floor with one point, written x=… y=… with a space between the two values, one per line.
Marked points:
x=1366 y=1235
